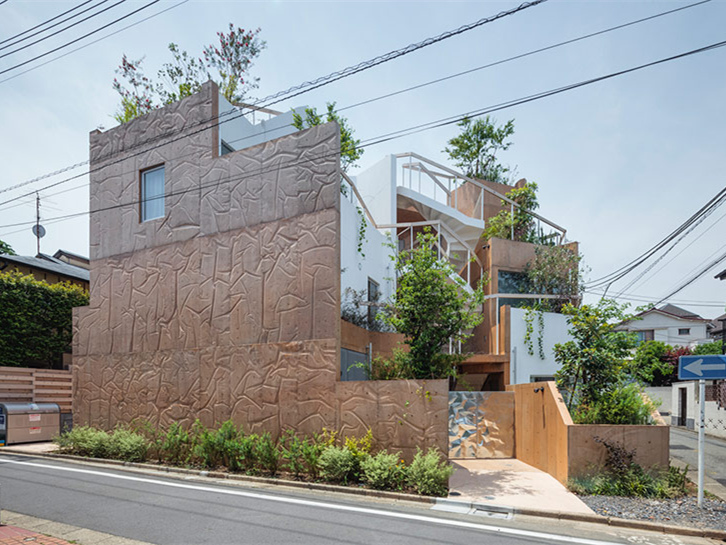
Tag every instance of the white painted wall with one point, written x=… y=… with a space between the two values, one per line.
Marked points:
x=356 y=269
x=523 y=366
x=715 y=417
x=663 y=397
x=240 y=132
x=665 y=329
x=377 y=186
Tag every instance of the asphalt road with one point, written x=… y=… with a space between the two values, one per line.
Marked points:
x=684 y=447
x=160 y=510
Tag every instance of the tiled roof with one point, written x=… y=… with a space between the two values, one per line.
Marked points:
x=47 y=263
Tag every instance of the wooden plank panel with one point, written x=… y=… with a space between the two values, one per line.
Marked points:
x=46 y=383
x=15 y=386
x=27 y=397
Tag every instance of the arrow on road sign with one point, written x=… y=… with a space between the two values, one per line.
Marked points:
x=698 y=367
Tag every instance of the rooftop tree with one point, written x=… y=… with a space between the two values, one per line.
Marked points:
x=476 y=148
x=227 y=63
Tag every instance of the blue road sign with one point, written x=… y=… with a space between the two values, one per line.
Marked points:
x=702 y=367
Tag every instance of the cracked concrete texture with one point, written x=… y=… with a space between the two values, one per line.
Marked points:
x=229 y=305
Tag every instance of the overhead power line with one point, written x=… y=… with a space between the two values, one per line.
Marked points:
x=74 y=8
x=18 y=74
x=613 y=277
x=314 y=84
x=76 y=23
x=51 y=26
x=67 y=44
x=695 y=277
x=405 y=132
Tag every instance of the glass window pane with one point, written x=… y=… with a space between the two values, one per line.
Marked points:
x=152 y=194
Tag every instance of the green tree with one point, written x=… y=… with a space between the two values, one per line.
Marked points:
x=650 y=364
x=555 y=270
x=707 y=348
x=476 y=148
x=350 y=150
x=430 y=306
x=227 y=63
x=36 y=319
x=592 y=363
x=520 y=224
x=6 y=249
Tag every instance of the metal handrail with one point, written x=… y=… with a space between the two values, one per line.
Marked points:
x=441 y=229
x=456 y=175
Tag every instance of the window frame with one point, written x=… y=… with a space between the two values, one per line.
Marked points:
x=681 y=330
x=142 y=197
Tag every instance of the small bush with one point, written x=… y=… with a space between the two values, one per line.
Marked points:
x=267 y=453
x=175 y=445
x=312 y=450
x=121 y=444
x=84 y=441
x=337 y=464
x=360 y=449
x=127 y=445
x=383 y=471
x=624 y=404
x=429 y=473
x=292 y=449
x=621 y=476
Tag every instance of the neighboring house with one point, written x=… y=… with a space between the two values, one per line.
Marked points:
x=670 y=324
x=60 y=267
x=219 y=261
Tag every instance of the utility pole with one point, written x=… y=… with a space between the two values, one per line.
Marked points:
x=37 y=221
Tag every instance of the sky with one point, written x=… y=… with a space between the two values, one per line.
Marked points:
x=619 y=164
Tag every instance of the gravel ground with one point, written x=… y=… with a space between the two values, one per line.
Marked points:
x=681 y=511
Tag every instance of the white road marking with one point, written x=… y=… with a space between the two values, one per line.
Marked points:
x=325 y=505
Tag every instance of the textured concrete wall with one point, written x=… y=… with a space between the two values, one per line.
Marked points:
x=229 y=305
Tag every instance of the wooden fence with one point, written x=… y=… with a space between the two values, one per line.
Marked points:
x=23 y=385
x=546 y=438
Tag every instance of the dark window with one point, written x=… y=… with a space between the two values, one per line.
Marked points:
x=373 y=294
x=684 y=331
x=512 y=282
x=152 y=194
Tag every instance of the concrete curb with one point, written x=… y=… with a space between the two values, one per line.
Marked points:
x=581 y=517
x=447 y=502
x=232 y=476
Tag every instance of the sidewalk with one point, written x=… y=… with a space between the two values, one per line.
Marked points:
x=11 y=535
x=20 y=529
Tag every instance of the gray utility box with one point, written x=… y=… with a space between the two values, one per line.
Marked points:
x=28 y=422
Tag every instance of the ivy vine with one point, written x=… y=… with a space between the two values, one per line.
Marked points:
x=529 y=331
x=362 y=224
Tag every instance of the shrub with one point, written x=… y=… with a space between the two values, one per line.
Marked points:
x=360 y=449
x=292 y=449
x=247 y=452
x=127 y=445
x=429 y=473
x=312 y=450
x=121 y=444
x=84 y=441
x=175 y=445
x=621 y=476
x=623 y=404
x=383 y=471
x=337 y=464
x=650 y=366
x=267 y=453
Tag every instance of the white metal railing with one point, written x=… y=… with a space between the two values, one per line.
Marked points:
x=444 y=237
x=444 y=185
